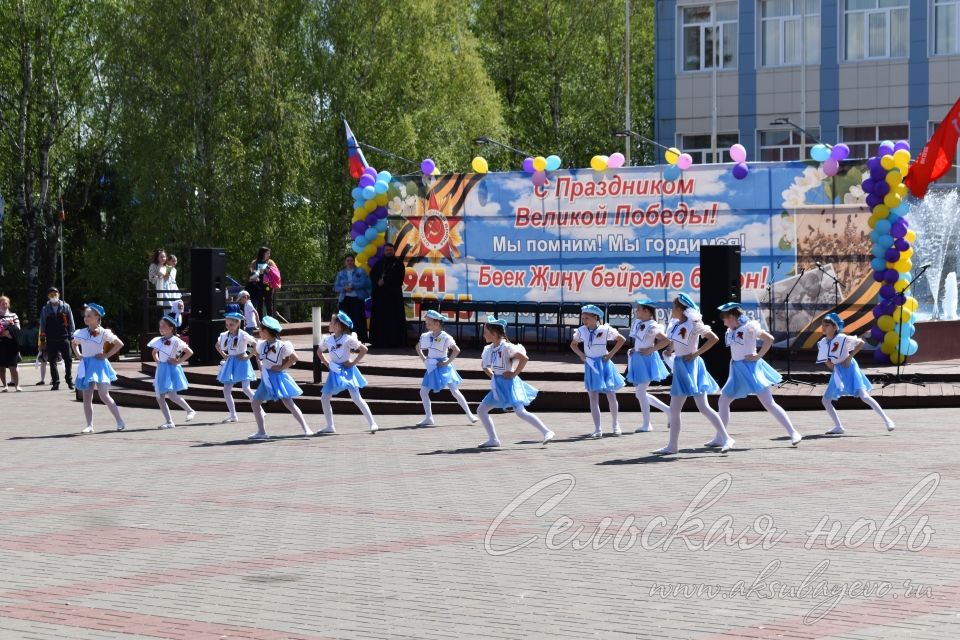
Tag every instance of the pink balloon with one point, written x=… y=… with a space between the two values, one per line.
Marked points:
x=685 y=161
x=738 y=153
x=539 y=178
x=831 y=167
x=616 y=160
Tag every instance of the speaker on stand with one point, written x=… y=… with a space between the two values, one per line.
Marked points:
x=719 y=283
x=208 y=301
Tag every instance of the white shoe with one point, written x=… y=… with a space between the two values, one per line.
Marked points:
x=796 y=438
x=890 y=425
x=374 y=428
x=19 y=389
x=258 y=436
x=167 y=425
x=121 y=427
x=616 y=430
x=727 y=445
x=426 y=422
x=596 y=435
x=87 y=430
x=547 y=437
x=307 y=431
x=836 y=431
x=191 y=415
x=489 y=444
x=643 y=429
x=665 y=451
x=713 y=443
x=330 y=429
x=473 y=419
x=230 y=419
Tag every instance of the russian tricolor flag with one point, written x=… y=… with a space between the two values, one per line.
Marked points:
x=354 y=154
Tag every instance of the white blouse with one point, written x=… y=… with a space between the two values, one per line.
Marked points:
x=340 y=348
x=170 y=347
x=644 y=333
x=743 y=340
x=838 y=349
x=685 y=335
x=436 y=346
x=91 y=345
x=273 y=353
x=235 y=345
x=500 y=358
x=595 y=342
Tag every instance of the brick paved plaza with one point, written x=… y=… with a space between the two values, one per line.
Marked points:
x=194 y=533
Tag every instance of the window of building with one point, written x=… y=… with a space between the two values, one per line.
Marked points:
x=782 y=145
x=946 y=27
x=876 y=29
x=699 y=147
x=950 y=177
x=709 y=36
x=789 y=29
x=863 y=141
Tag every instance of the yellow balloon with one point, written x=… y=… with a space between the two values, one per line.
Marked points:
x=887 y=162
x=886 y=323
x=894 y=178
x=370 y=205
x=872 y=221
x=901 y=315
x=897 y=358
x=901 y=156
x=911 y=305
x=900 y=190
x=881 y=211
x=598 y=163
x=904 y=265
x=892 y=200
x=539 y=163
x=672 y=155
x=886 y=348
x=911 y=236
x=359 y=214
x=906 y=254
x=891 y=338
x=905 y=170
x=436 y=171
x=899 y=286
x=480 y=165
x=382 y=199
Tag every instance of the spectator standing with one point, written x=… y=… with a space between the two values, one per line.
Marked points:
x=259 y=283
x=158 y=275
x=353 y=288
x=9 y=345
x=56 y=331
x=388 y=318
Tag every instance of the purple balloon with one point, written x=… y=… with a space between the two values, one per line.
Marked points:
x=901 y=144
x=873 y=200
x=881 y=188
x=877 y=333
x=528 y=165
x=898 y=229
x=892 y=255
x=905 y=222
x=370 y=171
x=878 y=174
x=371 y=219
x=381 y=212
x=900 y=299
x=880 y=357
x=868 y=185
x=359 y=226
x=887 y=291
x=901 y=244
x=885 y=150
x=427 y=166
x=891 y=276
x=873 y=163
x=366 y=181
x=354 y=234
x=878 y=276
x=840 y=152
x=740 y=170
x=887 y=306
x=877 y=311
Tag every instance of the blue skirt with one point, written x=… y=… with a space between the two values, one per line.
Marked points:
x=691 y=378
x=441 y=378
x=93 y=371
x=748 y=378
x=646 y=368
x=169 y=378
x=510 y=393
x=346 y=379
x=602 y=376
x=235 y=371
x=281 y=385
x=847 y=381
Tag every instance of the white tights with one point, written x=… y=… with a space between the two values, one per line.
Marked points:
x=766 y=399
x=595 y=408
x=228 y=396
x=291 y=406
x=832 y=411
x=646 y=401
x=457 y=395
x=676 y=408
x=103 y=390
x=357 y=400
x=483 y=412
x=176 y=399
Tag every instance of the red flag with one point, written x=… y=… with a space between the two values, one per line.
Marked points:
x=355 y=157
x=938 y=156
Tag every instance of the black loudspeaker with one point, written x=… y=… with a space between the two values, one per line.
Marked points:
x=719 y=283
x=208 y=300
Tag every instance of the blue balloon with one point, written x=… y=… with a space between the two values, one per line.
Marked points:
x=874 y=236
x=553 y=163
x=384 y=176
x=885 y=240
x=671 y=172
x=878 y=252
x=911 y=348
x=820 y=152
x=883 y=226
x=370 y=234
x=356 y=246
x=381 y=186
x=381 y=225
x=355 y=193
x=369 y=192
x=878 y=264
x=901 y=210
x=893 y=217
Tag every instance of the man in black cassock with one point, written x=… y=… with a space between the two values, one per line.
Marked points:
x=388 y=319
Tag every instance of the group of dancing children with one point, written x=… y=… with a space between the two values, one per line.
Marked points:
x=655 y=354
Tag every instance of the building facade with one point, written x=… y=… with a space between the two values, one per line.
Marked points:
x=852 y=71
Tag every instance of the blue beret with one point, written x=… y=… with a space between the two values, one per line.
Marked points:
x=271 y=323
x=645 y=302
x=592 y=308
x=729 y=306
x=495 y=320
x=688 y=302
x=233 y=315
x=344 y=319
x=100 y=310
x=173 y=321
x=435 y=315
x=836 y=320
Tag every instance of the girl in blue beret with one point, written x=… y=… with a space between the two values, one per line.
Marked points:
x=644 y=362
x=275 y=357
x=94 y=346
x=437 y=349
x=599 y=373
x=236 y=368
x=170 y=352
x=837 y=350
x=344 y=374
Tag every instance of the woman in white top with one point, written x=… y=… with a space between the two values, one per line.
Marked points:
x=9 y=345
x=690 y=375
x=503 y=361
x=94 y=346
x=599 y=373
x=838 y=350
x=749 y=372
x=233 y=346
x=344 y=374
x=644 y=362
x=170 y=352
x=438 y=350
x=275 y=357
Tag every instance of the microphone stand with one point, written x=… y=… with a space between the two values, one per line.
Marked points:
x=836 y=284
x=903 y=362
x=786 y=307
